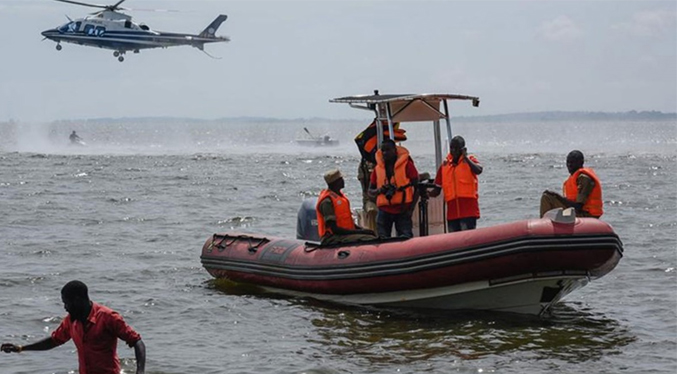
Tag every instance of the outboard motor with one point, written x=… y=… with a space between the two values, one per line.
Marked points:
x=306 y=224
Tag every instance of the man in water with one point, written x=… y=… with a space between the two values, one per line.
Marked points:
x=74 y=137
x=94 y=329
x=582 y=190
x=335 y=222
x=458 y=178
x=392 y=184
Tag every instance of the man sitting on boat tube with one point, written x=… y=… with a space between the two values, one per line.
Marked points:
x=335 y=222
x=582 y=190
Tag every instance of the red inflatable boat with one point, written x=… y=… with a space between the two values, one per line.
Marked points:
x=522 y=267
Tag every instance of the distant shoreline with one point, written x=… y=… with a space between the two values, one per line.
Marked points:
x=588 y=116
x=508 y=117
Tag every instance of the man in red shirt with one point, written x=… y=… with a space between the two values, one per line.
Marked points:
x=458 y=178
x=94 y=329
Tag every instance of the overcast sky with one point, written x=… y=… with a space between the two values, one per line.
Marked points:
x=288 y=58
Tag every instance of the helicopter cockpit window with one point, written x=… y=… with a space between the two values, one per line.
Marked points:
x=70 y=27
x=144 y=27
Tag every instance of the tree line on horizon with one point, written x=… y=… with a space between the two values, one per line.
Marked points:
x=651 y=115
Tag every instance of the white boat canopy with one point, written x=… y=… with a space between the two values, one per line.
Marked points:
x=392 y=108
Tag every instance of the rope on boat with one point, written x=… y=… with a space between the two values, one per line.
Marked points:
x=225 y=243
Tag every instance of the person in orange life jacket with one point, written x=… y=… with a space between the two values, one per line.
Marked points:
x=393 y=184
x=95 y=330
x=458 y=177
x=582 y=190
x=335 y=223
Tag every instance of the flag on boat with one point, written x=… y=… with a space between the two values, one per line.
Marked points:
x=367 y=140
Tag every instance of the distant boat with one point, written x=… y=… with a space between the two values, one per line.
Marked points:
x=317 y=141
x=325 y=141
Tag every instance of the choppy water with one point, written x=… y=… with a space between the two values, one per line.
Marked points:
x=128 y=215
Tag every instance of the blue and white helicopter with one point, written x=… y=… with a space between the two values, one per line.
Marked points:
x=111 y=29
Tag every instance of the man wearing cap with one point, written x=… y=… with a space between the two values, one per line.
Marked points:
x=334 y=218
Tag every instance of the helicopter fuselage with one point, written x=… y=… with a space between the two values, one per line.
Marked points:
x=116 y=31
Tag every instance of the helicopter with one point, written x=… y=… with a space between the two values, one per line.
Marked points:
x=111 y=29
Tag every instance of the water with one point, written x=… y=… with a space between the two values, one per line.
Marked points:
x=128 y=215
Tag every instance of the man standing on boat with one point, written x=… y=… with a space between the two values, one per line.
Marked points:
x=369 y=207
x=366 y=142
x=582 y=190
x=95 y=330
x=458 y=177
x=335 y=222
x=392 y=183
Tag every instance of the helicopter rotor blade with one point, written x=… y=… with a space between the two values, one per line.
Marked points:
x=154 y=10
x=83 y=4
x=113 y=7
x=117 y=5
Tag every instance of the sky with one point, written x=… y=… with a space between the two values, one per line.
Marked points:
x=287 y=59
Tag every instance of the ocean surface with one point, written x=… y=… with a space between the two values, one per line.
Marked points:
x=129 y=212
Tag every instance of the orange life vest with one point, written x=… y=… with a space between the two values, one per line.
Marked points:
x=400 y=136
x=403 y=195
x=344 y=217
x=594 y=203
x=458 y=180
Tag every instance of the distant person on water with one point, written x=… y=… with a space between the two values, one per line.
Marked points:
x=582 y=190
x=393 y=185
x=458 y=177
x=335 y=223
x=95 y=330
x=74 y=137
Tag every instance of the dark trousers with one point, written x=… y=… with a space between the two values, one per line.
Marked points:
x=402 y=221
x=462 y=224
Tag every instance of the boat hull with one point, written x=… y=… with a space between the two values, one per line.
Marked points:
x=524 y=266
x=317 y=142
x=532 y=295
